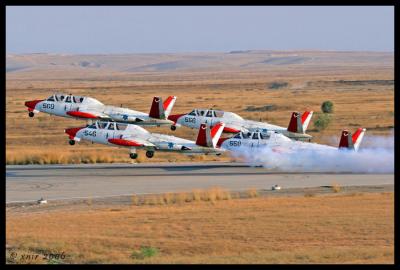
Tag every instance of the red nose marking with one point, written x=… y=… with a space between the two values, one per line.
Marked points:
x=72 y=131
x=175 y=117
x=32 y=104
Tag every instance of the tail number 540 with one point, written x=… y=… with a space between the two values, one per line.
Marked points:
x=90 y=133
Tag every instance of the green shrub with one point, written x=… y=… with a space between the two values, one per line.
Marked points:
x=322 y=121
x=277 y=85
x=144 y=252
x=327 y=107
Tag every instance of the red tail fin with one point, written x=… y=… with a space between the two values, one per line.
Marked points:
x=351 y=141
x=161 y=110
x=216 y=133
x=299 y=124
x=168 y=104
x=202 y=136
x=345 y=140
x=156 y=108
x=305 y=119
x=295 y=122
x=209 y=138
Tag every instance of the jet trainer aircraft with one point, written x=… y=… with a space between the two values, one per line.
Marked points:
x=280 y=143
x=133 y=137
x=88 y=108
x=234 y=123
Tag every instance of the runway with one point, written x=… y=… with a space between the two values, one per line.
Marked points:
x=31 y=182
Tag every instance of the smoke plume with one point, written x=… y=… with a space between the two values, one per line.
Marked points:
x=375 y=155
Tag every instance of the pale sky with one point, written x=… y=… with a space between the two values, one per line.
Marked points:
x=163 y=29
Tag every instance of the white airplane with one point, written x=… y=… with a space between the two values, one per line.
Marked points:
x=234 y=123
x=280 y=143
x=133 y=137
x=88 y=108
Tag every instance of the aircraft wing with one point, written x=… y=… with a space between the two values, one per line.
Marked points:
x=131 y=141
x=165 y=144
x=234 y=127
x=251 y=125
x=126 y=118
x=88 y=114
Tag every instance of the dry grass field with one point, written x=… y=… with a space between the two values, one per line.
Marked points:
x=360 y=84
x=335 y=228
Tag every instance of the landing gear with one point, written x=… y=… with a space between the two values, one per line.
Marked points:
x=71 y=142
x=173 y=128
x=149 y=154
x=133 y=155
x=31 y=114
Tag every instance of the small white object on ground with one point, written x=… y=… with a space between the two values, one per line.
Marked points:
x=41 y=201
x=276 y=187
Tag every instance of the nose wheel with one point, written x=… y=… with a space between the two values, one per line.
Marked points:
x=173 y=128
x=149 y=154
x=71 y=142
x=133 y=155
x=31 y=114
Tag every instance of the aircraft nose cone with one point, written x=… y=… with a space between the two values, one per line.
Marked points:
x=175 y=117
x=72 y=131
x=32 y=104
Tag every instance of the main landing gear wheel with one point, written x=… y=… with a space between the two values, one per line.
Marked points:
x=133 y=155
x=149 y=154
x=71 y=142
x=173 y=128
x=31 y=114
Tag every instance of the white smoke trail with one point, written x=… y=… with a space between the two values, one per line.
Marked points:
x=375 y=155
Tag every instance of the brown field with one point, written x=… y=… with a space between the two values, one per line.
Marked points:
x=360 y=84
x=336 y=228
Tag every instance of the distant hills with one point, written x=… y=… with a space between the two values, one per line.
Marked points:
x=193 y=61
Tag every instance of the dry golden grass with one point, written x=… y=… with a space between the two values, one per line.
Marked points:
x=209 y=195
x=362 y=94
x=252 y=193
x=321 y=229
x=336 y=187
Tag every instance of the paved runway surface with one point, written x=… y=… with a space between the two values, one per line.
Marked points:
x=31 y=182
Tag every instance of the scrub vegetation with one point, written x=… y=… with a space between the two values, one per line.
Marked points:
x=327 y=107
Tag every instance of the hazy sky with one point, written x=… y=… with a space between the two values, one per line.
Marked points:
x=195 y=29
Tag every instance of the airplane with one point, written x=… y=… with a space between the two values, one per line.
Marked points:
x=134 y=137
x=80 y=107
x=279 y=143
x=234 y=123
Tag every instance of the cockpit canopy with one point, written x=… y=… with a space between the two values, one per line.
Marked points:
x=108 y=125
x=66 y=98
x=207 y=113
x=253 y=135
